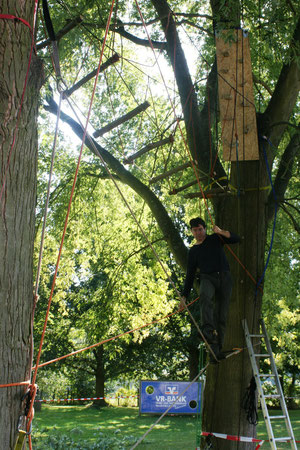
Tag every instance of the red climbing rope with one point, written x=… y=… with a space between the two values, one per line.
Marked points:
x=20 y=383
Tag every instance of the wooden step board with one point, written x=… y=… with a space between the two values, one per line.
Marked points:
x=236 y=99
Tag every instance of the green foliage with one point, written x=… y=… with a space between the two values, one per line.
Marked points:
x=108 y=280
x=125 y=397
x=281 y=304
x=53 y=385
x=103 y=441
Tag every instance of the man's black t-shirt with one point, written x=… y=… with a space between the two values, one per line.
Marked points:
x=208 y=257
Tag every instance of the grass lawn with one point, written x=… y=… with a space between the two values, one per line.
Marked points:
x=112 y=428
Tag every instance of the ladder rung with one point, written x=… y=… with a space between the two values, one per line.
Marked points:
x=266 y=375
x=282 y=439
x=272 y=396
x=260 y=378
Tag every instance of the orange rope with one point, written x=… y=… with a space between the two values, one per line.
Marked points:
x=20 y=383
x=113 y=338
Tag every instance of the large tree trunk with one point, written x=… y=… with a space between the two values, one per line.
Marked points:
x=227 y=382
x=100 y=376
x=18 y=165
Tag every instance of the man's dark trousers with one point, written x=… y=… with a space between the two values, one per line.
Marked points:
x=215 y=286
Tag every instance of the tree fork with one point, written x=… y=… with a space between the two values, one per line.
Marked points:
x=70 y=25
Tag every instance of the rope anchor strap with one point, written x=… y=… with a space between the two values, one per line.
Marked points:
x=15 y=18
x=20 y=440
x=25 y=419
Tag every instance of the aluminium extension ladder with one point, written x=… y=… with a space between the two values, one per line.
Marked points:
x=259 y=377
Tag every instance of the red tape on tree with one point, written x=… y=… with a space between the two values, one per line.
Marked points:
x=11 y=17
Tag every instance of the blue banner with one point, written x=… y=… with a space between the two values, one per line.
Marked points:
x=157 y=396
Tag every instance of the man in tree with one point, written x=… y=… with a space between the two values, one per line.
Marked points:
x=208 y=256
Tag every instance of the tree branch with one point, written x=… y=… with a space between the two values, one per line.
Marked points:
x=196 y=122
x=194 y=25
x=165 y=223
x=100 y=176
x=284 y=173
x=113 y=279
x=285 y=123
x=293 y=220
x=144 y=42
x=157 y=19
x=286 y=202
x=286 y=91
x=256 y=80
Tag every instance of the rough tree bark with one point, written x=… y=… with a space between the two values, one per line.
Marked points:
x=18 y=165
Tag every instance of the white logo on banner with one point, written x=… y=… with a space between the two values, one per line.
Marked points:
x=171 y=394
